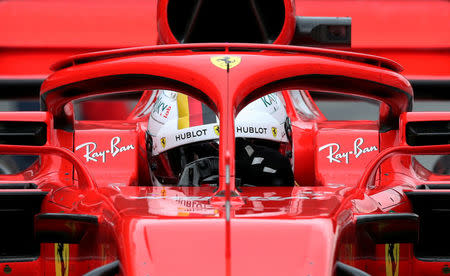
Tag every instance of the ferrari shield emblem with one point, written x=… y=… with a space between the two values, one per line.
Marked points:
x=392 y=251
x=274 y=131
x=62 y=259
x=217 y=130
x=163 y=142
x=226 y=62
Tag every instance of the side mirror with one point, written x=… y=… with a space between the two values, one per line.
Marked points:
x=390 y=228
x=323 y=31
x=425 y=128
x=63 y=228
x=25 y=128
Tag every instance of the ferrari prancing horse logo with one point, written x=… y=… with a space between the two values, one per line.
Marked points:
x=217 y=130
x=274 y=131
x=226 y=62
x=163 y=142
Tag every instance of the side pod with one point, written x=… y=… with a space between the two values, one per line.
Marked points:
x=432 y=203
x=19 y=202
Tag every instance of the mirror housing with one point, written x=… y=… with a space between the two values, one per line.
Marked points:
x=425 y=128
x=62 y=227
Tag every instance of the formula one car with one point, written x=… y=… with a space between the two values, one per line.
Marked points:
x=226 y=164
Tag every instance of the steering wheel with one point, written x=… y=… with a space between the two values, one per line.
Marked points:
x=200 y=171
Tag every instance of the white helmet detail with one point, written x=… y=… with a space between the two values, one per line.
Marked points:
x=263 y=118
x=176 y=120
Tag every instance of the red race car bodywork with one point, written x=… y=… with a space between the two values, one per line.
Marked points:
x=361 y=203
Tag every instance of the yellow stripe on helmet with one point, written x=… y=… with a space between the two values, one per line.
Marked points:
x=183 y=111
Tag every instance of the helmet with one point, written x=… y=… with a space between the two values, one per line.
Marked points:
x=183 y=139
